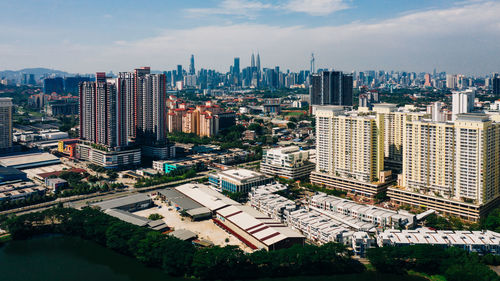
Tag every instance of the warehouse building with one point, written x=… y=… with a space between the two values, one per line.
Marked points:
x=130 y=203
x=125 y=216
x=31 y=160
x=183 y=203
x=206 y=196
x=9 y=174
x=255 y=229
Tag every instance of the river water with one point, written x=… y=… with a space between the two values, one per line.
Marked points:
x=55 y=258
x=63 y=258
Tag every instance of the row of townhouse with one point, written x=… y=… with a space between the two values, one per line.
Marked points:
x=481 y=242
x=371 y=214
x=322 y=229
x=273 y=205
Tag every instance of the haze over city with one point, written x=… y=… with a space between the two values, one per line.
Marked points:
x=83 y=37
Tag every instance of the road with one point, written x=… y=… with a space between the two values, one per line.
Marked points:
x=82 y=200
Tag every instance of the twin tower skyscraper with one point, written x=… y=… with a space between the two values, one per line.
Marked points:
x=116 y=113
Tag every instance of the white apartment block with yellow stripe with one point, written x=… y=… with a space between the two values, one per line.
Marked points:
x=350 y=150
x=453 y=167
x=394 y=124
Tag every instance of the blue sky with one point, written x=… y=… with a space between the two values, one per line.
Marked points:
x=88 y=36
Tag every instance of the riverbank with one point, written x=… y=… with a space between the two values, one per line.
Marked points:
x=61 y=258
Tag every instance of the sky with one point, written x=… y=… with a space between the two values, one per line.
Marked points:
x=349 y=35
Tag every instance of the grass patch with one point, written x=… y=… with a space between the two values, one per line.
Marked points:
x=426 y=276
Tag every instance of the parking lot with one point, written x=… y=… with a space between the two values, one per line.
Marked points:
x=205 y=229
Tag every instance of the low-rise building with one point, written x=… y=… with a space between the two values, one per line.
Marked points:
x=286 y=162
x=366 y=213
x=472 y=241
x=55 y=184
x=238 y=180
x=255 y=229
x=108 y=159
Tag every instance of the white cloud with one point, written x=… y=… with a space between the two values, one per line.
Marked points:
x=243 y=8
x=458 y=39
x=250 y=8
x=316 y=7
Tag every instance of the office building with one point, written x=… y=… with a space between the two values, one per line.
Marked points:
x=462 y=102
x=53 y=85
x=495 y=82
x=286 y=162
x=238 y=180
x=331 y=88
x=451 y=81
x=191 y=66
x=451 y=167
x=5 y=123
x=350 y=152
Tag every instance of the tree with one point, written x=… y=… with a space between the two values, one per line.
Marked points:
x=291 y=125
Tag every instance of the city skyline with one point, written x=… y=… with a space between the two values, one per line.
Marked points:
x=452 y=36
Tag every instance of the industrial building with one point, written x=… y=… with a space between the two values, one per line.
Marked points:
x=472 y=241
x=238 y=180
x=255 y=229
x=182 y=203
x=286 y=162
x=30 y=160
x=205 y=196
x=158 y=225
x=250 y=226
x=130 y=203
x=20 y=190
x=9 y=174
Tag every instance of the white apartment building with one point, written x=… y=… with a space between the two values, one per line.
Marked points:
x=350 y=151
x=462 y=102
x=451 y=167
x=286 y=162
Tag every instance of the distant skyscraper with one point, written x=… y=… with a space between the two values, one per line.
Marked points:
x=427 y=82
x=191 y=66
x=495 y=81
x=331 y=88
x=5 y=123
x=258 y=62
x=313 y=70
x=236 y=66
x=252 y=62
x=451 y=81
x=180 y=74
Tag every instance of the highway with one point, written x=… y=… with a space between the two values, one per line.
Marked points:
x=79 y=201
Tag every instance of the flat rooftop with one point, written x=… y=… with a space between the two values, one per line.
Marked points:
x=28 y=160
x=123 y=201
x=240 y=174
